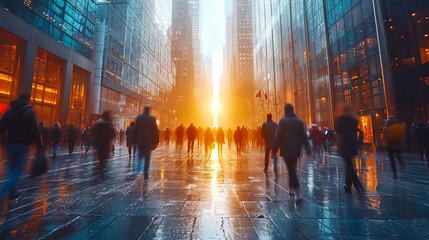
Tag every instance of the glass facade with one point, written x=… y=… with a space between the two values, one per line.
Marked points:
x=78 y=92
x=46 y=86
x=69 y=22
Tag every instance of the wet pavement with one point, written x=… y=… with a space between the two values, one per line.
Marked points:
x=191 y=196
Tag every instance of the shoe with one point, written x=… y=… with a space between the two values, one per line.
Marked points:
x=348 y=189
x=14 y=197
x=298 y=195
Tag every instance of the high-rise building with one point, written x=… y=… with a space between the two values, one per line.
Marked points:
x=195 y=6
x=182 y=53
x=317 y=54
x=46 y=49
x=133 y=56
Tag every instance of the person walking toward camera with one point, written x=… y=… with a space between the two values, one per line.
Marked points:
x=393 y=134
x=147 y=139
x=290 y=137
x=103 y=134
x=55 y=138
x=20 y=125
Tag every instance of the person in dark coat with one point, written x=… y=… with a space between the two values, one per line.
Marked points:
x=238 y=139
x=180 y=134
x=220 y=141
x=191 y=134
x=346 y=126
x=208 y=141
x=44 y=133
x=121 y=137
x=103 y=134
x=147 y=139
x=290 y=137
x=393 y=135
x=131 y=139
x=86 y=138
x=56 y=137
x=71 y=137
x=20 y=125
x=167 y=137
x=316 y=140
x=422 y=136
x=268 y=131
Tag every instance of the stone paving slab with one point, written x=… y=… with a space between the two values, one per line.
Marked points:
x=192 y=196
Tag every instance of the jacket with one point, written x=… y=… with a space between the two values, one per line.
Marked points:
x=346 y=128
x=20 y=124
x=290 y=137
x=147 y=133
x=268 y=132
x=131 y=136
x=393 y=135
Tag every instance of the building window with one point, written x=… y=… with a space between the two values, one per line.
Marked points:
x=77 y=107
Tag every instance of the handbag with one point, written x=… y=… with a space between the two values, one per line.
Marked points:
x=40 y=164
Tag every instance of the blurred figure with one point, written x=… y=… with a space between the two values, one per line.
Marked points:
x=360 y=137
x=44 y=134
x=121 y=137
x=229 y=136
x=316 y=140
x=20 y=125
x=346 y=126
x=131 y=139
x=268 y=132
x=55 y=138
x=167 y=137
x=422 y=136
x=147 y=139
x=208 y=141
x=103 y=134
x=220 y=140
x=200 y=136
x=245 y=139
x=71 y=137
x=180 y=133
x=238 y=139
x=328 y=135
x=393 y=134
x=191 y=134
x=290 y=137
x=86 y=138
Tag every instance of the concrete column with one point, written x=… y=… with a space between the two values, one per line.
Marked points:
x=99 y=55
x=29 y=60
x=66 y=90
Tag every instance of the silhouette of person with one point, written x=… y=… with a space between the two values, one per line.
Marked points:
x=220 y=140
x=180 y=133
x=238 y=139
x=130 y=133
x=191 y=134
x=103 y=134
x=268 y=132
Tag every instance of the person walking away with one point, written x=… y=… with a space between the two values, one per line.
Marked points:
x=268 y=132
x=208 y=141
x=346 y=126
x=220 y=140
x=290 y=137
x=393 y=134
x=238 y=139
x=20 y=125
x=103 y=134
x=167 y=137
x=147 y=139
x=200 y=136
x=422 y=136
x=328 y=138
x=360 y=138
x=229 y=136
x=130 y=132
x=56 y=138
x=180 y=134
x=86 y=138
x=316 y=139
x=44 y=134
x=71 y=137
x=121 y=136
x=191 y=134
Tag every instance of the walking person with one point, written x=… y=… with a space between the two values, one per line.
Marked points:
x=328 y=139
x=147 y=139
x=20 y=124
x=86 y=139
x=44 y=134
x=346 y=126
x=208 y=141
x=55 y=136
x=290 y=137
x=103 y=134
x=220 y=140
x=229 y=137
x=316 y=140
x=180 y=134
x=71 y=137
x=393 y=134
x=268 y=131
x=200 y=136
x=167 y=137
x=121 y=136
x=131 y=139
x=238 y=139
x=191 y=134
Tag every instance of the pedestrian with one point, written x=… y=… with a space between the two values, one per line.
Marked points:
x=86 y=138
x=393 y=134
x=147 y=139
x=346 y=126
x=290 y=137
x=71 y=137
x=208 y=141
x=103 y=134
x=220 y=140
x=360 y=137
x=131 y=139
x=328 y=135
x=422 y=136
x=316 y=140
x=229 y=137
x=191 y=134
x=20 y=125
x=121 y=136
x=200 y=136
x=180 y=134
x=55 y=136
x=167 y=137
x=238 y=139
x=44 y=134
x=268 y=131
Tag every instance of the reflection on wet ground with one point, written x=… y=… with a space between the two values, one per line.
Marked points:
x=192 y=196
